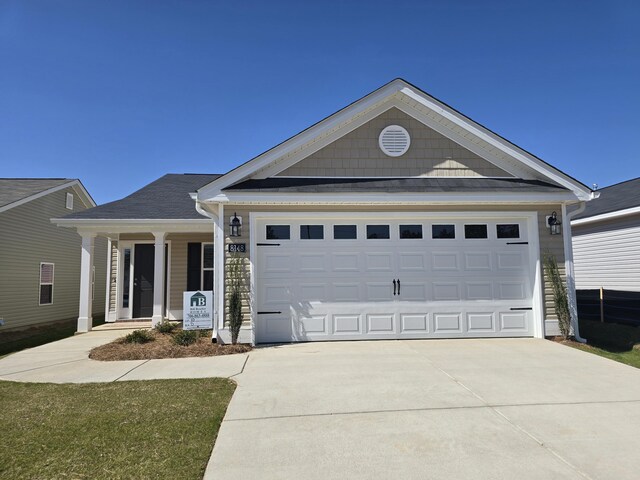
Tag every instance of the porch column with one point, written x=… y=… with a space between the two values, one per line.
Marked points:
x=218 y=271
x=85 y=319
x=158 y=279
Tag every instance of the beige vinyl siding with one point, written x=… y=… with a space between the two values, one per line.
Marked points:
x=178 y=279
x=27 y=237
x=430 y=154
x=607 y=254
x=551 y=243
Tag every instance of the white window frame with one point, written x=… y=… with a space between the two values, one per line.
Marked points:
x=40 y=284
x=69 y=201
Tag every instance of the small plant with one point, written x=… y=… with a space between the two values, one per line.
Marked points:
x=139 y=336
x=236 y=274
x=165 y=326
x=560 y=295
x=185 y=337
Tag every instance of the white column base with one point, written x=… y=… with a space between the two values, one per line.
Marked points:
x=156 y=319
x=85 y=324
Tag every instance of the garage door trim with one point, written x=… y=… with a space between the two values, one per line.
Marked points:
x=531 y=218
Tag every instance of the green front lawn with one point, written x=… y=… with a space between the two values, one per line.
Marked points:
x=611 y=340
x=121 y=430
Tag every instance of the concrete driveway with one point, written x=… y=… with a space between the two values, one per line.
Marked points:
x=451 y=409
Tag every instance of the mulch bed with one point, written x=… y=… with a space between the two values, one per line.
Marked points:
x=163 y=346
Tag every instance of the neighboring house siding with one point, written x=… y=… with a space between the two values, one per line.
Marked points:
x=27 y=237
x=607 y=254
x=357 y=154
x=548 y=243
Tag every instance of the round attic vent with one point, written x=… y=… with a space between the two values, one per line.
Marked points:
x=394 y=140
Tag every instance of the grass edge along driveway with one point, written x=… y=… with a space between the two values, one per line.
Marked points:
x=120 y=430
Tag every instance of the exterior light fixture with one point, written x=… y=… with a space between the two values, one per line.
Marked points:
x=554 y=224
x=235 y=225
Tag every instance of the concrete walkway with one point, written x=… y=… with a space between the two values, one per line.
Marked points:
x=67 y=361
x=481 y=409
x=436 y=409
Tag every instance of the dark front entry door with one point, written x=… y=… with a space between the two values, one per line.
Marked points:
x=143 y=280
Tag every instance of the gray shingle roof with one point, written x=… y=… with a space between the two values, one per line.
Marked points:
x=395 y=185
x=15 y=189
x=166 y=198
x=615 y=197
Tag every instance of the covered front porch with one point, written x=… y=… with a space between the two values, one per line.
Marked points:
x=147 y=271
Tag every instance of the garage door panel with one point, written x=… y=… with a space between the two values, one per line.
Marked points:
x=313 y=292
x=514 y=321
x=480 y=322
x=444 y=261
x=414 y=323
x=379 y=262
x=511 y=261
x=447 y=322
x=312 y=325
x=446 y=291
x=346 y=292
x=379 y=291
x=413 y=291
x=511 y=291
x=345 y=262
x=479 y=290
x=346 y=324
x=477 y=261
x=381 y=323
x=312 y=263
x=411 y=262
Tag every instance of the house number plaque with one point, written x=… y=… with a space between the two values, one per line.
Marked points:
x=237 y=247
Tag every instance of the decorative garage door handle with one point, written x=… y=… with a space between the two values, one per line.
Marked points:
x=398 y=286
x=394 y=286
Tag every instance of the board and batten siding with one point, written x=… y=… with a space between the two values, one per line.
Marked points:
x=607 y=254
x=27 y=237
x=553 y=244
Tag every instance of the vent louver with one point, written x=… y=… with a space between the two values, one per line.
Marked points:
x=394 y=140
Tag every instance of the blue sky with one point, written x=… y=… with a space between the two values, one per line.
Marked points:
x=119 y=93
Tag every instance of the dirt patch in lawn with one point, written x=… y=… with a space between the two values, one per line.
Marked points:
x=163 y=346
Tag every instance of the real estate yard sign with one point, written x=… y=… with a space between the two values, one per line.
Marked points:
x=197 y=311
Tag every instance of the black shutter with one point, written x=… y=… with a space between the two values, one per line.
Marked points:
x=194 y=266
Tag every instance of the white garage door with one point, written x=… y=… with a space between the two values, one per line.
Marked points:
x=352 y=278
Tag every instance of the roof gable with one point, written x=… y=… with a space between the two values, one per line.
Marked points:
x=17 y=191
x=420 y=106
x=357 y=154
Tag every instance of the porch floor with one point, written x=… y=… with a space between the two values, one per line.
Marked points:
x=124 y=325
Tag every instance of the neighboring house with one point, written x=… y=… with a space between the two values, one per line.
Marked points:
x=40 y=263
x=606 y=244
x=396 y=217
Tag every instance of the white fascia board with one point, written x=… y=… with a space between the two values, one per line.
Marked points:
x=74 y=183
x=392 y=198
x=135 y=225
x=491 y=138
x=332 y=122
x=607 y=216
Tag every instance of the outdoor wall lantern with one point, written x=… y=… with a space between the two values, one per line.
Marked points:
x=235 y=224
x=554 y=224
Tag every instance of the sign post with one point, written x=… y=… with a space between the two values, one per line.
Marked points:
x=197 y=310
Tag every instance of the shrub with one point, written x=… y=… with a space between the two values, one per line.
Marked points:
x=165 y=326
x=185 y=337
x=560 y=295
x=236 y=274
x=139 y=336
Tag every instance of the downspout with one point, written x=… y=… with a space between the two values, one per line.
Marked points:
x=568 y=265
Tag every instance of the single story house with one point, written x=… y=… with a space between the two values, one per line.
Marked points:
x=40 y=263
x=606 y=244
x=395 y=217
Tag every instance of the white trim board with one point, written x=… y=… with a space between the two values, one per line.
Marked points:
x=606 y=216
